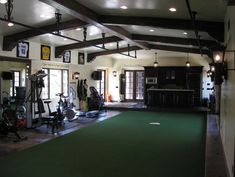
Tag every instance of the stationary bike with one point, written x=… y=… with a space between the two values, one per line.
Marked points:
x=63 y=110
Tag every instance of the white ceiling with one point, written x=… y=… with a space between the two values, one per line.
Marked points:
x=207 y=9
x=30 y=12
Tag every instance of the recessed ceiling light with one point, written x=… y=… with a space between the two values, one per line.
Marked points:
x=124 y=7
x=172 y=9
x=10 y=24
x=151 y=30
x=3 y=1
x=42 y=15
x=185 y=33
x=65 y=39
x=78 y=29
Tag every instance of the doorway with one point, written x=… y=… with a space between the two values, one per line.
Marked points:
x=101 y=84
x=134 y=85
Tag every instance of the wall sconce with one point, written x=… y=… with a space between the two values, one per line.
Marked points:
x=114 y=73
x=76 y=75
x=219 y=67
x=218 y=56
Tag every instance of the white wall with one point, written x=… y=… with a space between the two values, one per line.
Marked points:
x=56 y=63
x=120 y=65
x=107 y=63
x=227 y=110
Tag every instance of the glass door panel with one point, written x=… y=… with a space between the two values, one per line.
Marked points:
x=139 y=85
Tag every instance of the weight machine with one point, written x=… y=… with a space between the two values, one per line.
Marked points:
x=34 y=97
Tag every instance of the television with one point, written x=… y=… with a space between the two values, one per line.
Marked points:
x=7 y=75
x=96 y=75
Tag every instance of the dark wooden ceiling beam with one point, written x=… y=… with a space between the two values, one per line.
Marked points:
x=175 y=40
x=10 y=41
x=230 y=2
x=179 y=49
x=81 y=12
x=92 y=56
x=215 y=29
x=60 y=49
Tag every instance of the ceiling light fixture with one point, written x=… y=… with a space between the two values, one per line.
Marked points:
x=172 y=9
x=78 y=29
x=42 y=15
x=3 y=1
x=151 y=30
x=65 y=39
x=10 y=24
x=124 y=7
x=9 y=9
x=185 y=33
x=187 y=62
x=155 y=64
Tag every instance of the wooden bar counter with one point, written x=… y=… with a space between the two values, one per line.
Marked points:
x=170 y=97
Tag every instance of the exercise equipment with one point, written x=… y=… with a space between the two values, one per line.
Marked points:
x=34 y=97
x=10 y=118
x=63 y=110
x=95 y=103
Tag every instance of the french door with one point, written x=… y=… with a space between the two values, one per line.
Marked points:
x=134 y=85
x=101 y=84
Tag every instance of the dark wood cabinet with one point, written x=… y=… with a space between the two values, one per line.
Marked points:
x=175 y=78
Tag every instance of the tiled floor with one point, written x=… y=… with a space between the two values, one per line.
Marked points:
x=215 y=162
x=43 y=134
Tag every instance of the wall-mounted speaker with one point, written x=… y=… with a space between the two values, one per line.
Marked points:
x=96 y=75
x=7 y=75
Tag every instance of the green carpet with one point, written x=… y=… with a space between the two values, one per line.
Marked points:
x=123 y=146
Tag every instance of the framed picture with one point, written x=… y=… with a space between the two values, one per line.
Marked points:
x=45 y=52
x=81 y=58
x=67 y=57
x=22 y=49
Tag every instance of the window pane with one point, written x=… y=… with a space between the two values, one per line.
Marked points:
x=55 y=82
x=139 y=85
x=45 y=90
x=65 y=82
x=129 y=85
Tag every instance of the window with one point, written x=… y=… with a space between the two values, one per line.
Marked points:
x=101 y=84
x=15 y=82
x=57 y=81
x=134 y=85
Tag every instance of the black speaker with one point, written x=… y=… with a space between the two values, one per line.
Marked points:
x=20 y=93
x=96 y=75
x=7 y=75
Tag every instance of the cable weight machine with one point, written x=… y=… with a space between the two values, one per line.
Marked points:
x=34 y=97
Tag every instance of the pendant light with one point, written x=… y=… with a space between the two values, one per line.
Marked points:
x=188 y=62
x=155 y=64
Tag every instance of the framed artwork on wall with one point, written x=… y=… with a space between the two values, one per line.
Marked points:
x=22 y=49
x=81 y=58
x=45 y=52
x=67 y=57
